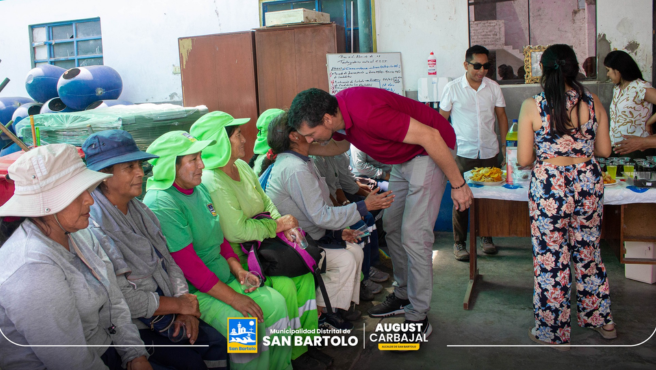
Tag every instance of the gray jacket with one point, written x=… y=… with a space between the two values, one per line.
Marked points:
x=296 y=188
x=347 y=180
x=49 y=296
x=129 y=242
x=327 y=169
x=364 y=165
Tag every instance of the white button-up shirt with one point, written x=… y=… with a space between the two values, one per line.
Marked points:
x=473 y=116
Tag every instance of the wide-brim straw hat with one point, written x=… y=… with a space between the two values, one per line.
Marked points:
x=47 y=179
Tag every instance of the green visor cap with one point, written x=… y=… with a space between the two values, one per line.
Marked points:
x=168 y=147
x=212 y=127
x=261 y=145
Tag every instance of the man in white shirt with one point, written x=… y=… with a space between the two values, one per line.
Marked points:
x=474 y=102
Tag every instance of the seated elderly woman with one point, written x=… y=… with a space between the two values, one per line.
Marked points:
x=295 y=187
x=238 y=196
x=261 y=147
x=153 y=285
x=57 y=286
x=193 y=234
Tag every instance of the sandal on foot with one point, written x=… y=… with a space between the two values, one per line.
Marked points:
x=558 y=347
x=606 y=334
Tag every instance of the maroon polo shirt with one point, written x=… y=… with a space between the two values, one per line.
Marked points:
x=376 y=122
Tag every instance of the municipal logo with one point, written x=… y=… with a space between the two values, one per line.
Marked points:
x=212 y=210
x=191 y=138
x=242 y=335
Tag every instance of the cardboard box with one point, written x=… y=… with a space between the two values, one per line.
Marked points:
x=295 y=16
x=643 y=273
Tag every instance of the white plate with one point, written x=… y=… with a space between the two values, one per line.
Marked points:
x=496 y=183
x=612 y=184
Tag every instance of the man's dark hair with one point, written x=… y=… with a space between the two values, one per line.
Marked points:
x=476 y=49
x=310 y=106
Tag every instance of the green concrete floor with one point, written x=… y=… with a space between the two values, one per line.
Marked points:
x=502 y=312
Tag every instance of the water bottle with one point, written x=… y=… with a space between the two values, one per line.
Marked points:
x=511 y=152
x=511 y=136
x=432 y=63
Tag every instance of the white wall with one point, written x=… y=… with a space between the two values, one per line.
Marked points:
x=627 y=22
x=560 y=22
x=417 y=27
x=139 y=37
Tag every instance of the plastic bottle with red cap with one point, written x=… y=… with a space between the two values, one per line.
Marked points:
x=432 y=64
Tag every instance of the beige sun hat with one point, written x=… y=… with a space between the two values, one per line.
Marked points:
x=47 y=179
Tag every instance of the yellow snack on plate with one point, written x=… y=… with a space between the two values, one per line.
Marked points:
x=608 y=179
x=486 y=174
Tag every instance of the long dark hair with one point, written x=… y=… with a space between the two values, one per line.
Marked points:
x=622 y=62
x=251 y=162
x=278 y=137
x=560 y=68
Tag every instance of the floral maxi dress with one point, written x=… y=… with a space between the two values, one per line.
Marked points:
x=565 y=205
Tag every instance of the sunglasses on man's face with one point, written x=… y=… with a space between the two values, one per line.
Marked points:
x=478 y=66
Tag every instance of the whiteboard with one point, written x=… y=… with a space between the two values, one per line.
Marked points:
x=382 y=70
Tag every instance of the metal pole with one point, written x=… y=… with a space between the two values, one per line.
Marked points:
x=364 y=26
x=4 y=83
x=352 y=50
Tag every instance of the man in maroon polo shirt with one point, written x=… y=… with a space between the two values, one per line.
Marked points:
x=416 y=140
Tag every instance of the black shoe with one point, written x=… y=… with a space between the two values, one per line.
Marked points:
x=426 y=328
x=351 y=315
x=307 y=362
x=334 y=320
x=391 y=307
x=316 y=354
x=365 y=293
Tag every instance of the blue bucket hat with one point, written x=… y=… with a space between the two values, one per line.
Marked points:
x=110 y=147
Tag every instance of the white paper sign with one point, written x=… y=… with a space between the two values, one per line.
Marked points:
x=382 y=70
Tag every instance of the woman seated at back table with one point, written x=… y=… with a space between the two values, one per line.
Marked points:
x=193 y=234
x=153 y=285
x=296 y=188
x=57 y=286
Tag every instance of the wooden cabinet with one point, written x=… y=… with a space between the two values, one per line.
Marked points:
x=219 y=71
x=246 y=73
x=293 y=59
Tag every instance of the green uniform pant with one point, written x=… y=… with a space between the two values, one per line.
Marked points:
x=216 y=313
x=300 y=294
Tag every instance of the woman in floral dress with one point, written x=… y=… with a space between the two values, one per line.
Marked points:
x=568 y=127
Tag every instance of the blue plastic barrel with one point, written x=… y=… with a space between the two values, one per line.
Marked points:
x=26 y=110
x=55 y=105
x=81 y=86
x=41 y=82
x=8 y=106
x=101 y=104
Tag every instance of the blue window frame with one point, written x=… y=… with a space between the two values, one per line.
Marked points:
x=339 y=10
x=67 y=44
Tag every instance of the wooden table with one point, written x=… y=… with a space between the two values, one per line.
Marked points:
x=503 y=218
